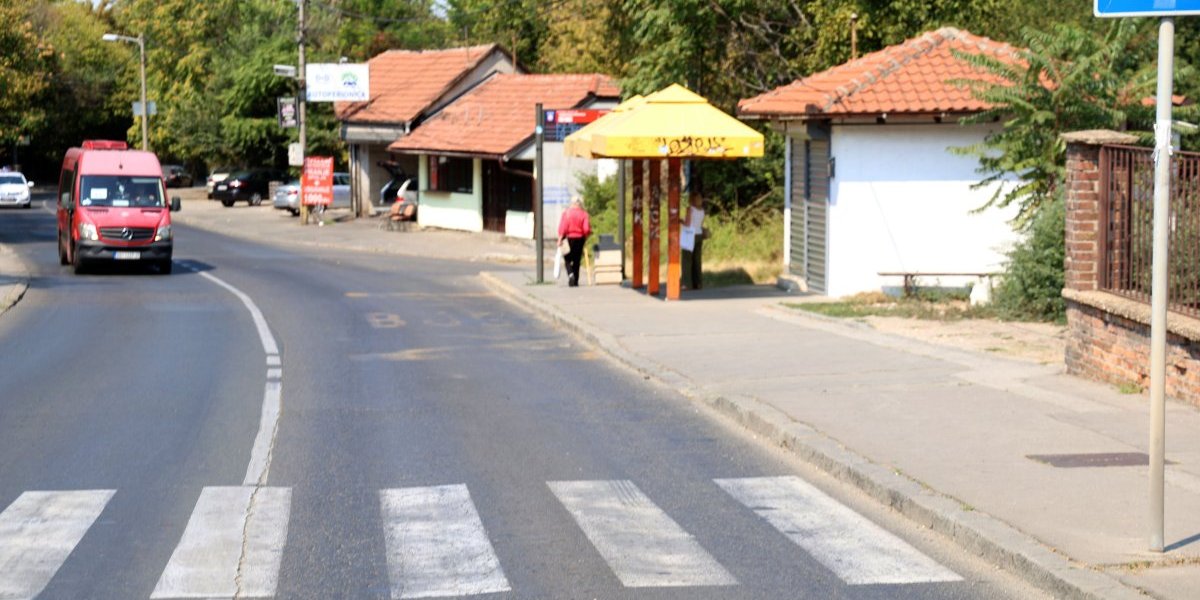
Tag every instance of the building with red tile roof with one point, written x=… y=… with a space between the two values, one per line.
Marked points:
x=406 y=87
x=873 y=184
x=475 y=154
x=921 y=76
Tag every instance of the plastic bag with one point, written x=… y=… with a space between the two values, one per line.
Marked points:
x=558 y=260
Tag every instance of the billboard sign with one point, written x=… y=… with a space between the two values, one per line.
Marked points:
x=336 y=82
x=1145 y=8
x=316 y=182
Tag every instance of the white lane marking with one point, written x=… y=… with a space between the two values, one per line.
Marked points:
x=260 y=453
x=260 y=322
x=642 y=545
x=232 y=545
x=264 y=440
x=38 y=531
x=273 y=360
x=436 y=544
x=857 y=550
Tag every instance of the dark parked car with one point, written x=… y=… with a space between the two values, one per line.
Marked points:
x=249 y=185
x=176 y=176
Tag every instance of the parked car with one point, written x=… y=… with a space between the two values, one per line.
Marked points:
x=176 y=176
x=216 y=176
x=14 y=189
x=250 y=185
x=287 y=196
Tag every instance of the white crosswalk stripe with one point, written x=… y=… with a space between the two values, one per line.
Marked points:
x=642 y=545
x=231 y=547
x=855 y=549
x=38 y=531
x=436 y=544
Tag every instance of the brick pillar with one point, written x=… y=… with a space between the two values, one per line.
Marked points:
x=1083 y=204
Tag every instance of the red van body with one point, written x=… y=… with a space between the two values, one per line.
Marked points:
x=112 y=206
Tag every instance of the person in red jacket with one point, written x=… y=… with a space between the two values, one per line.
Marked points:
x=575 y=227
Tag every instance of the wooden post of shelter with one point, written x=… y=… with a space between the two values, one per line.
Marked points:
x=655 y=197
x=638 y=259
x=674 y=272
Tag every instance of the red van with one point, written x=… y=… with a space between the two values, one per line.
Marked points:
x=112 y=206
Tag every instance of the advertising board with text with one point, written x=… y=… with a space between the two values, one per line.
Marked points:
x=316 y=182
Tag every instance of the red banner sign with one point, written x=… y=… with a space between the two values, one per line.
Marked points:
x=316 y=182
x=577 y=116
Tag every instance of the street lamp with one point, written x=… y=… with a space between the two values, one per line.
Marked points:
x=141 y=42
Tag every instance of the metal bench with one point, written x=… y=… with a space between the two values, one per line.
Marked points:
x=910 y=277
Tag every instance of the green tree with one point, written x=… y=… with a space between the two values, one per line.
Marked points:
x=27 y=64
x=1068 y=79
x=84 y=99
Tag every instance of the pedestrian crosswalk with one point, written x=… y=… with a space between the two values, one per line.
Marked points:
x=437 y=545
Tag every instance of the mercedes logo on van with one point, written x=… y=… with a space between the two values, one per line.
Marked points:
x=126 y=233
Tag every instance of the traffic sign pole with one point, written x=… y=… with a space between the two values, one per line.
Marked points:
x=1158 y=294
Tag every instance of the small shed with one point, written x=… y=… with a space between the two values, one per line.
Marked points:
x=872 y=184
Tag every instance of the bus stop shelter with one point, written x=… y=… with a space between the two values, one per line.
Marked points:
x=672 y=125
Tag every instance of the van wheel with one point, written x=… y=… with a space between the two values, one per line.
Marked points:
x=255 y=199
x=295 y=212
x=77 y=262
x=227 y=203
x=164 y=267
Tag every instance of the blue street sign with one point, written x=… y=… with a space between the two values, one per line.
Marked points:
x=1146 y=8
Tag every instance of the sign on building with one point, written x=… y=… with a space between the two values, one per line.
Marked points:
x=316 y=182
x=561 y=123
x=337 y=82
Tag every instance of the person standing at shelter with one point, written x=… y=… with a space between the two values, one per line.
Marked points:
x=574 y=227
x=691 y=241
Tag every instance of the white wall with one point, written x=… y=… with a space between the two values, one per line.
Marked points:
x=900 y=201
x=448 y=210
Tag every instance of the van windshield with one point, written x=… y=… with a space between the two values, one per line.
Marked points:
x=120 y=190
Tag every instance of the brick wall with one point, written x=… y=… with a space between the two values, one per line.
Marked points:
x=1108 y=347
x=1108 y=337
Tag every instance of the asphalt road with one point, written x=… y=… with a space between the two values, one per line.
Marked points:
x=431 y=441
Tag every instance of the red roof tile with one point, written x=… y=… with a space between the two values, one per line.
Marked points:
x=497 y=116
x=912 y=77
x=404 y=83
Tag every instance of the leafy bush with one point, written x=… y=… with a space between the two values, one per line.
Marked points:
x=1033 y=281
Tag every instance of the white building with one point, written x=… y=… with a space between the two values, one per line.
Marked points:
x=872 y=182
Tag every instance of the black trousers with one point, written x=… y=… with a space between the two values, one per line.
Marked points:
x=573 y=258
x=693 y=265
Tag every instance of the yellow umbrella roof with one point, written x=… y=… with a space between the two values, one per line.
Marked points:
x=675 y=123
x=580 y=143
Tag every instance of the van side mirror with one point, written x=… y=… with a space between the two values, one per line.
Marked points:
x=176 y=204
x=29 y=183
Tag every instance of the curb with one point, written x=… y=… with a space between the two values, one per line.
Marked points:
x=11 y=293
x=976 y=532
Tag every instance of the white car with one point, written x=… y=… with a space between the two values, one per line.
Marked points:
x=15 y=190
x=287 y=196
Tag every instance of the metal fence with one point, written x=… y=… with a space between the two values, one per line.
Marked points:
x=1127 y=223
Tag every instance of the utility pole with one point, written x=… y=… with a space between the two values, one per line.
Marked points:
x=302 y=100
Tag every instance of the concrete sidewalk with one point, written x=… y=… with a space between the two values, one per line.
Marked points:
x=944 y=436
